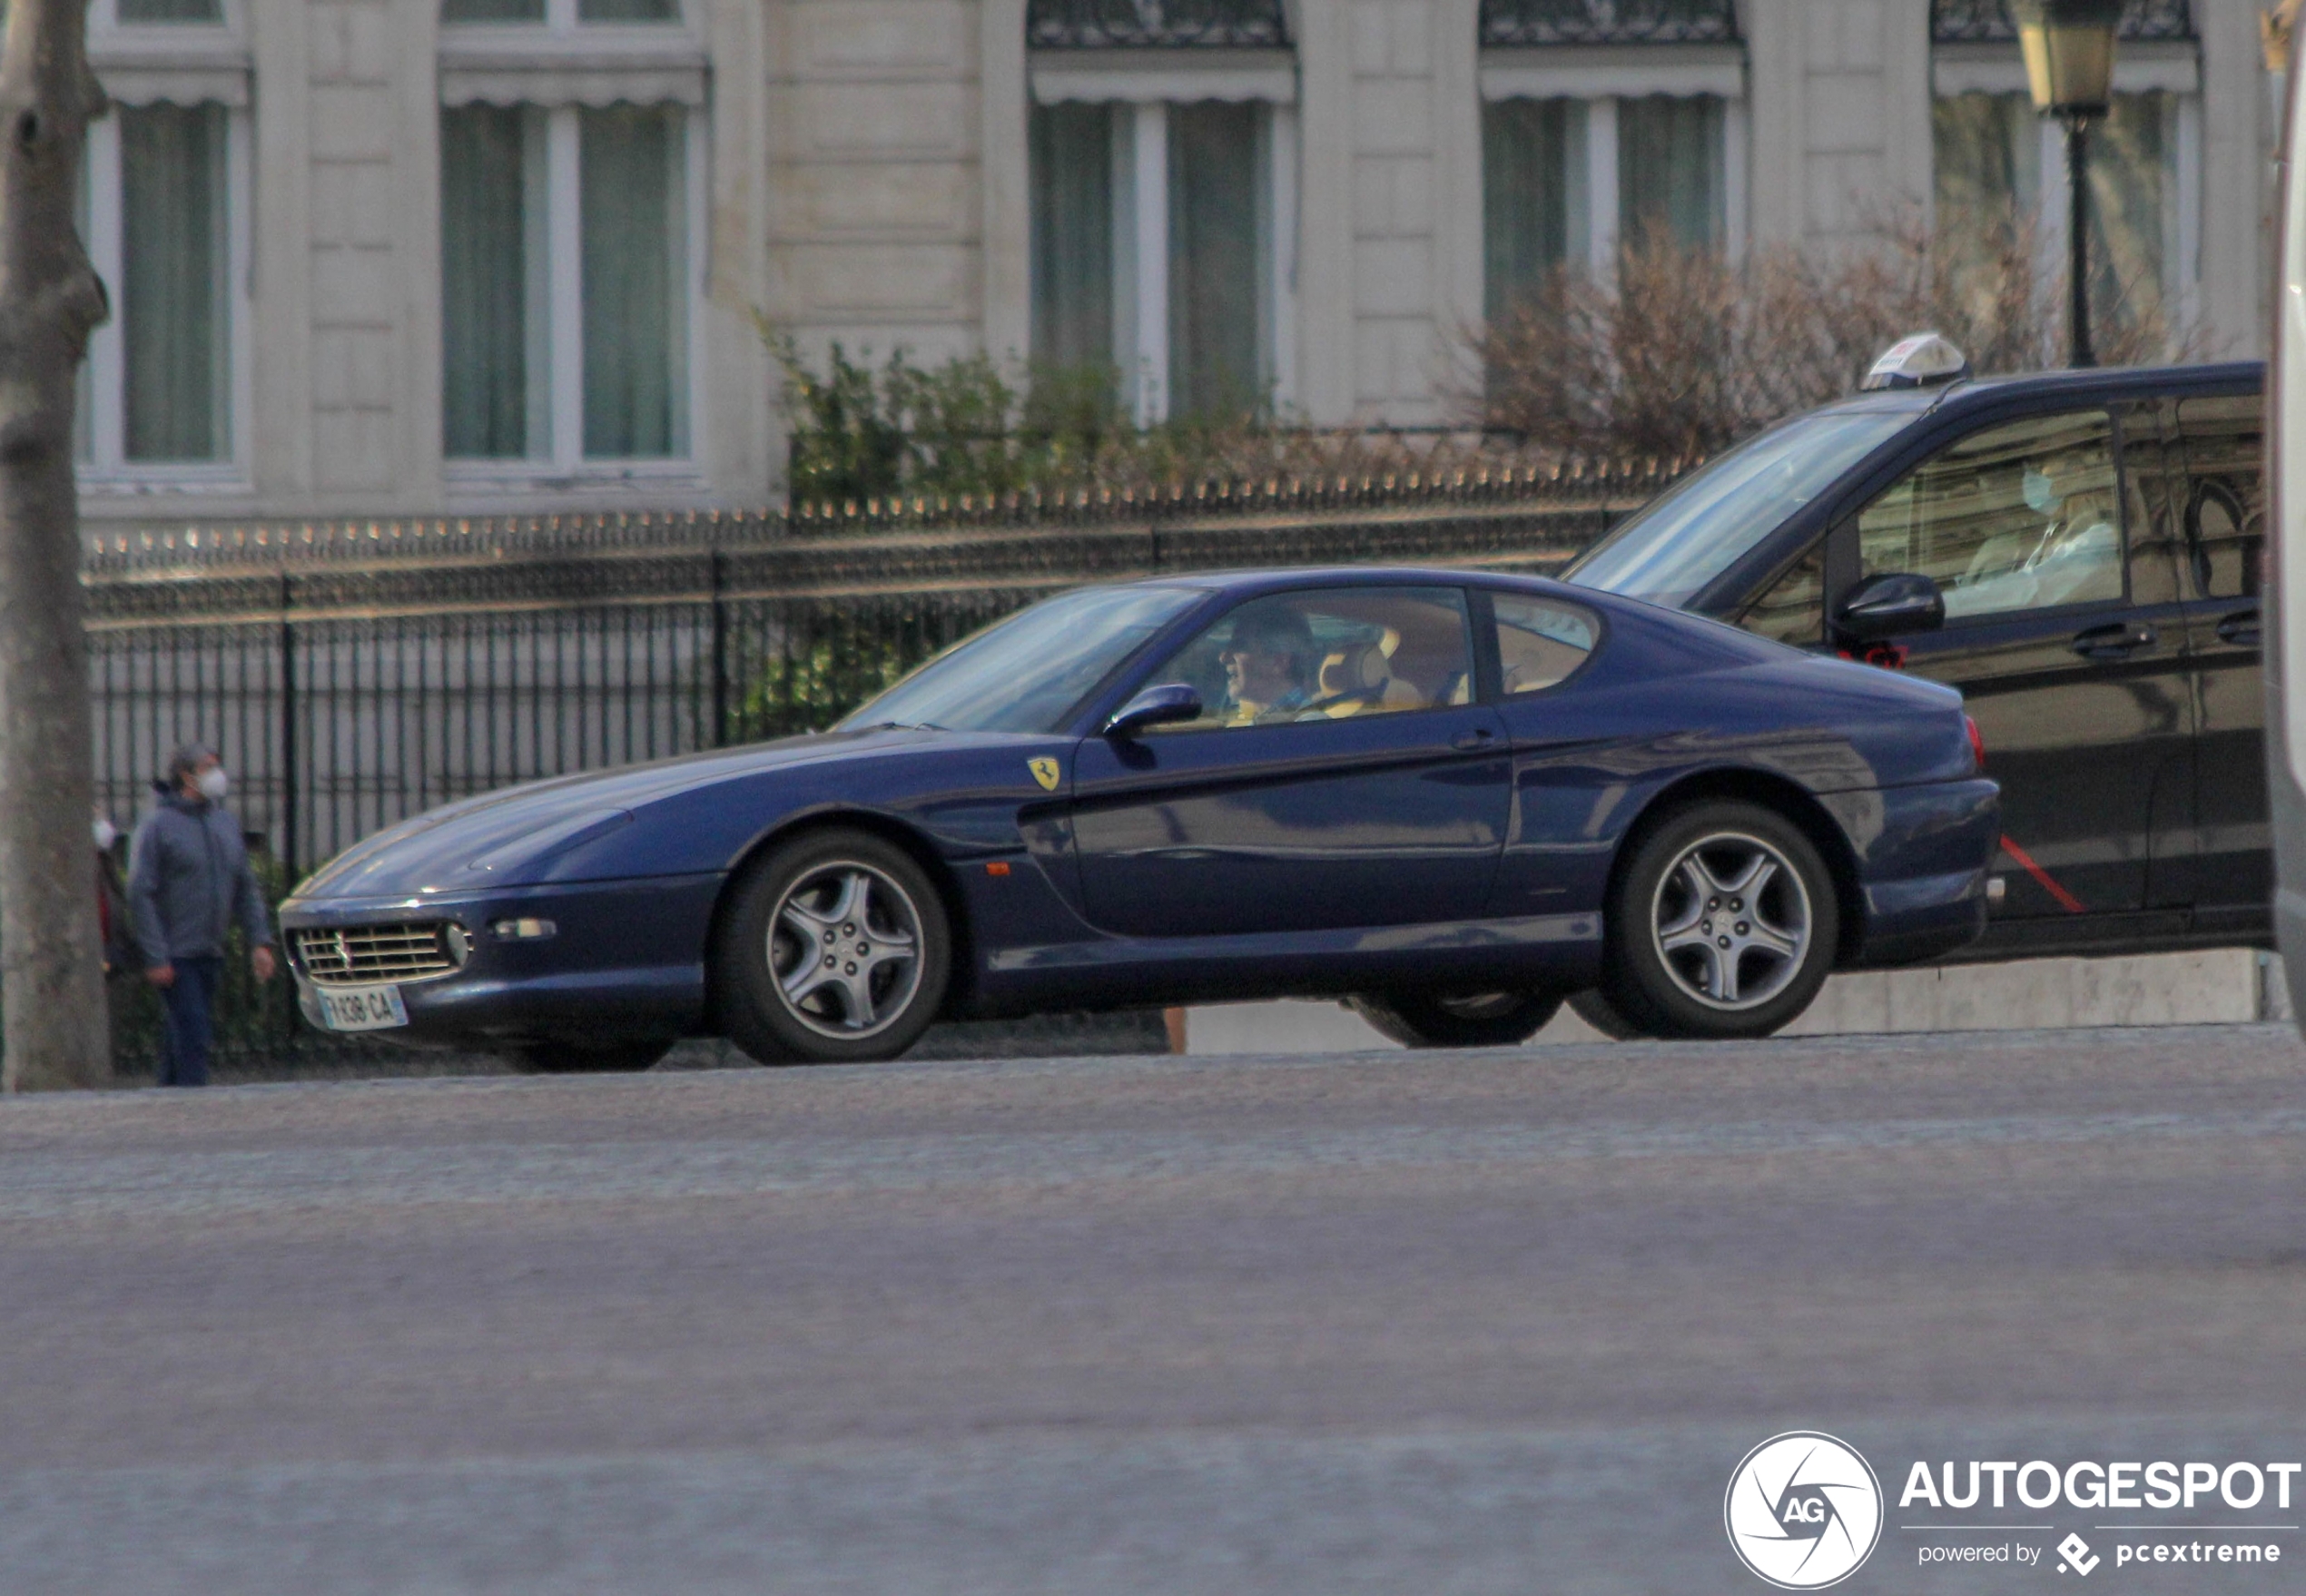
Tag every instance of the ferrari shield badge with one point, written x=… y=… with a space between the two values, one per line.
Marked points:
x=1046 y=772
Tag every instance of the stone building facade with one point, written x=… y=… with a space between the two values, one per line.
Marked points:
x=380 y=257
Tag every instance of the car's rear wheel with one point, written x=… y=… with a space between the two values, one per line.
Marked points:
x=1723 y=924
x=573 y=1059
x=1600 y=1013
x=1469 y=1019
x=835 y=951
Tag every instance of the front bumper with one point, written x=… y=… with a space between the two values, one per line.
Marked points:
x=626 y=961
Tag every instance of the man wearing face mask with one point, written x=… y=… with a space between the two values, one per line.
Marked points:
x=188 y=881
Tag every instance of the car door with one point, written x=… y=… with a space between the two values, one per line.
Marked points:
x=1342 y=773
x=2219 y=497
x=2063 y=631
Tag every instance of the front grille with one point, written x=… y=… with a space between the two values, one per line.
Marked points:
x=357 y=955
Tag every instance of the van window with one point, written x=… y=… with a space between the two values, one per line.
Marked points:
x=2023 y=516
x=2225 y=518
x=1794 y=609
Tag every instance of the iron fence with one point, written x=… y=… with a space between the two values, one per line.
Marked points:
x=353 y=673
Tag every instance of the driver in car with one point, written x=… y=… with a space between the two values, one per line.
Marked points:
x=1269 y=667
x=2075 y=552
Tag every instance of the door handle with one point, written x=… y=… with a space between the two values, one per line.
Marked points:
x=2116 y=640
x=1479 y=737
x=2241 y=628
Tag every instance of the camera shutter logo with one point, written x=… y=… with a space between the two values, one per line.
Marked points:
x=1804 y=1511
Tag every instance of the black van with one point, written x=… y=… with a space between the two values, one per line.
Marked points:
x=2079 y=552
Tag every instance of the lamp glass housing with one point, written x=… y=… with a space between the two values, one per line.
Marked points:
x=2068 y=45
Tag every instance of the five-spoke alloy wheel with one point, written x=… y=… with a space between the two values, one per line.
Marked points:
x=1732 y=921
x=836 y=950
x=1723 y=923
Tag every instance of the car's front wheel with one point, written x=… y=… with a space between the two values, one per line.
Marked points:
x=835 y=951
x=1472 y=1019
x=1722 y=924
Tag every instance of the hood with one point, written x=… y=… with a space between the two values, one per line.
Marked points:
x=517 y=836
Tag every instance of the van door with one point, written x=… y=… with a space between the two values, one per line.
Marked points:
x=2064 y=631
x=2219 y=496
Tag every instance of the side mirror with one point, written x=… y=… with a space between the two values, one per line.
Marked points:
x=1886 y=605
x=1156 y=707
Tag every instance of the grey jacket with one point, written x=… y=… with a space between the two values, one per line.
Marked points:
x=189 y=879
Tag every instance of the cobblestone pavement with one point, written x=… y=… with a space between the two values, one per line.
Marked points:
x=1401 y=1323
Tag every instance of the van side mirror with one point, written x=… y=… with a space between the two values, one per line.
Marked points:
x=1156 y=707
x=1889 y=605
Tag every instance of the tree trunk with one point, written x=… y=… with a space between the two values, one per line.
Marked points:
x=52 y=984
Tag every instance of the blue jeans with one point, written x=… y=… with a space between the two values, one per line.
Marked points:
x=192 y=1020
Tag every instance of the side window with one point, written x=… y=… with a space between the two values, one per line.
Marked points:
x=1327 y=654
x=2225 y=518
x=1539 y=641
x=1794 y=609
x=2023 y=516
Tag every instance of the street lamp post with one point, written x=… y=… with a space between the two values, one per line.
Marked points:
x=2069 y=67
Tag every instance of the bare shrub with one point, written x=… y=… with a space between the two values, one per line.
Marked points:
x=858 y=433
x=1682 y=353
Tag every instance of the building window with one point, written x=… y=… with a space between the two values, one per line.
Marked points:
x=1163 y=199
x=159 y=194
x=564 y=240
x=567 y=233
x=2000 y=180
x=1580 y=155
x=174 y=295
x=164 y=207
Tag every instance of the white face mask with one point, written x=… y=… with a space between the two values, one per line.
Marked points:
x=106 y=835
x=213 y=783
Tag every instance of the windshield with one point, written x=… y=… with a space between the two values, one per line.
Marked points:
x=1671 y=549
x=1023 y=674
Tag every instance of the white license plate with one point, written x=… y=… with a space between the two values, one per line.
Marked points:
x=361 y=1007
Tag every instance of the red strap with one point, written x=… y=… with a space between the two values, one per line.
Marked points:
x=2066 y=900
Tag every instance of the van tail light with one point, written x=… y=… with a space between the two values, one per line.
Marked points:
x=1978 y=742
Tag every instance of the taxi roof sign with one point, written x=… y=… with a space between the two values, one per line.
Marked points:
x=1916 y=362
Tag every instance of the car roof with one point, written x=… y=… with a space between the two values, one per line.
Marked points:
x=2096 y=382
x=1286 y=577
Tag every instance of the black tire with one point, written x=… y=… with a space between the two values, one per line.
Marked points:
x=1598 y=1012
x=1684 y=898
x=1478 y=1020
x=570 y=1058
x=874 y=999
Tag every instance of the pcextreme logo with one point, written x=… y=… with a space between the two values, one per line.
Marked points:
x=1803 y=1510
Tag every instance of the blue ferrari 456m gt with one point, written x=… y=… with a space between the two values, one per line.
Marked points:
x=1455 y=799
